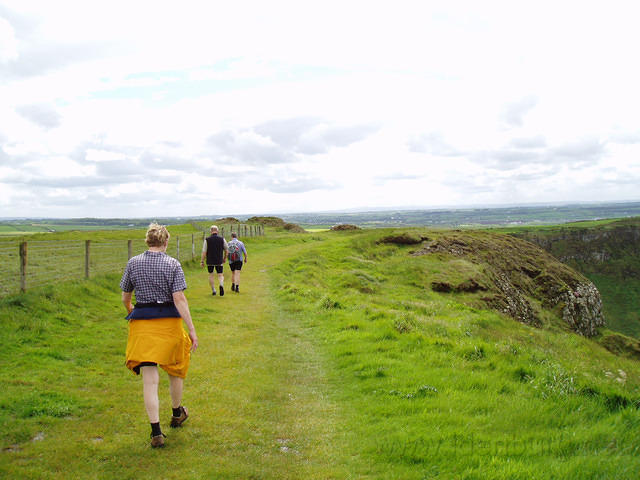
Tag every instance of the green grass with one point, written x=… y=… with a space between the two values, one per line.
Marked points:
x=70 y=408
x=622 y=302
x=336 y=360
x=432 y=387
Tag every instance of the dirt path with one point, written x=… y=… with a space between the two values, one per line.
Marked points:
x=257 y=387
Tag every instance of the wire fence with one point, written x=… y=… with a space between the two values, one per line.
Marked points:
x=32 y=264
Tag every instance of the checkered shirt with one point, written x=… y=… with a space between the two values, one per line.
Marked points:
x=155 y=276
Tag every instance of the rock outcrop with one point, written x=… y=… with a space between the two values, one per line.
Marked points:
x=517 y=277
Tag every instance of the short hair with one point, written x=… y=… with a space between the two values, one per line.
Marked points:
x=214 y=228
x=157 y=235
x=234 y=234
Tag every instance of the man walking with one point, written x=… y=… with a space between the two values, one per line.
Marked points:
x=214 y=251
x=236 y=250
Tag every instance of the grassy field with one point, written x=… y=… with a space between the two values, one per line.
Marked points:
x=335 y=361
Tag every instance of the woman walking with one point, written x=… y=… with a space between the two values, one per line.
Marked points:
x=156 y=336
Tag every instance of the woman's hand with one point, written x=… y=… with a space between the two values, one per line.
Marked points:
x=194 y=340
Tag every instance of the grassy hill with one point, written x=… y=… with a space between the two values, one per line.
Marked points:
x=339 y=359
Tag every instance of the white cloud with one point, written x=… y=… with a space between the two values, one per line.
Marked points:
x=514 y=113
x=42 y=115
x=289 y=105
x=8 y=42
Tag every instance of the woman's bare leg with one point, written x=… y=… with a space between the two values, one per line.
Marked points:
x=176 y=385
x=150 y=380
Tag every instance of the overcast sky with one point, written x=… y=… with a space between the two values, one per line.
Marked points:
x=136 y=108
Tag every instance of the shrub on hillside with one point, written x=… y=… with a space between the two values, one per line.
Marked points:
x=294 y=228
x=267 y=221
x=344 y=226
x=403 y=239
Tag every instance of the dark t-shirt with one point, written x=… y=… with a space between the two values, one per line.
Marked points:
x=215 y=247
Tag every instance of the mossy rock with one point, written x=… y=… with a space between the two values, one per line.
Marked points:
x=519 y=278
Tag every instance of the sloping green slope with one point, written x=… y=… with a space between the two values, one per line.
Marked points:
x=337 y=360
x=435 y=387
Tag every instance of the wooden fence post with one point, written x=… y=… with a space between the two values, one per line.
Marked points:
x=178 y=248
x=23 y=267
x=87 y=257
x=193 y=247
x=129 y=249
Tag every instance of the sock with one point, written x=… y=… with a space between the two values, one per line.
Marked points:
x=176 y=412
x=155 y=429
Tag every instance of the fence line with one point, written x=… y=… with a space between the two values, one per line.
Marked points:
x=243 y=230
x=37 y=263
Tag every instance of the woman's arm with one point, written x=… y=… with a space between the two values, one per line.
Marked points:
x=183 y=309
x=126 y=301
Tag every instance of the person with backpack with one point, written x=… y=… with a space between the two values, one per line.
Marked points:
x=236 y=250
x=214 y=251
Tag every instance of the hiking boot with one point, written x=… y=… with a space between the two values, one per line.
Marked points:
x=178 y=421
x=221 y=291
x=213 y=292
x=237 y=288
x=157 y=441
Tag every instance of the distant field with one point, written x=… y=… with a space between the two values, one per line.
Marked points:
x=8 y=229
x=554 y=227
x=472 y=217
x=22 y=229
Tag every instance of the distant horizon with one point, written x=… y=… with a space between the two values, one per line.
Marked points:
x=355 y=210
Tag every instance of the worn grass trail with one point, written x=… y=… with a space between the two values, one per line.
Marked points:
x=259 y=385
x=256 y=392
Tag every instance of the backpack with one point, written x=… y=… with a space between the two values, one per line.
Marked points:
x=234 y=252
